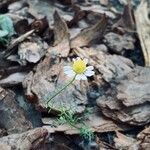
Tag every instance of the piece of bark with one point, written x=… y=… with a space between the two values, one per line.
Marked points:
x=142 y=25
x=13 y=79
x=111 y=67
x=144 y=138
x=135 y=115
x=49 y=78
x=96 y=121
x=90 y=34
x=61 y=45
x=129 y=101
x=134 y=90
x=125 y=143
x=118 y=43
x=13 y=118
x=32 y=139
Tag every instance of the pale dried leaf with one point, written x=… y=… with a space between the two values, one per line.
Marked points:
x=143 y=29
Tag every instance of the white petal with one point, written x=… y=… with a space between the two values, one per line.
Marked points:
x=81 y=77
x=67 y=68
x=85 y=60
x=89 y=73
x=69 y=73
x=78 y=58
x=74 y=59
x=89 y=68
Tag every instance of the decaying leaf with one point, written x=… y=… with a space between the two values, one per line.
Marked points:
x=127 y=19
x=61 y=45
x=88 y=35
x=143 y=29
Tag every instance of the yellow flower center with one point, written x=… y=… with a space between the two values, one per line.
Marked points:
x=79 y=66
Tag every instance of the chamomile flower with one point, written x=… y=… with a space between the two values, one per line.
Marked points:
x=79 y=69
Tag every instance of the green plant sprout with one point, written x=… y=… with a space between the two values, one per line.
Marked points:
x=78 y=71
x=67 y=116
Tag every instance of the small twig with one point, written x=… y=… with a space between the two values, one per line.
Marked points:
x=9 y=50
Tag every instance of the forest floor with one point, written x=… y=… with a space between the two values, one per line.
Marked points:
x=110 y=110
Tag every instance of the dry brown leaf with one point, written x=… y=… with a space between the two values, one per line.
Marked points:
x=143 y=29
x=88 y=35
x=61 y=37
x=126 y=21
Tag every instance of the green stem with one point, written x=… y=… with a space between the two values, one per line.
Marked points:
x=62 y=89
